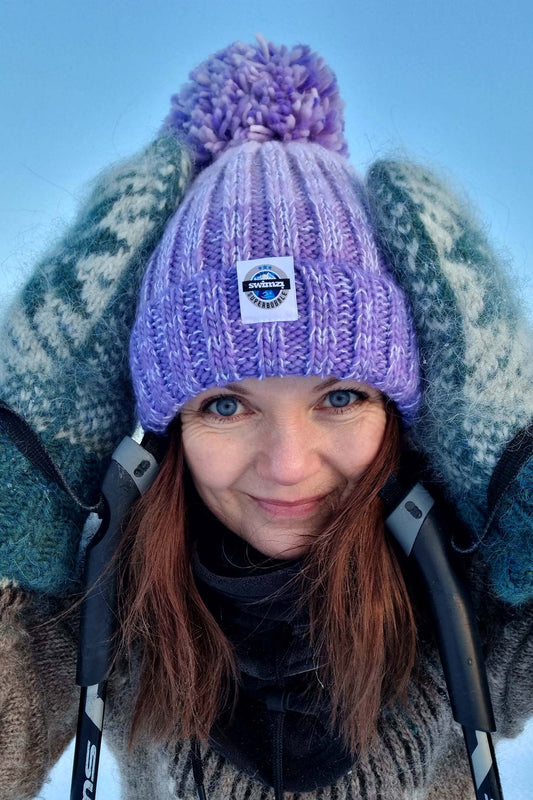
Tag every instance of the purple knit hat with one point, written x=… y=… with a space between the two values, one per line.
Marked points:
x=274 y=227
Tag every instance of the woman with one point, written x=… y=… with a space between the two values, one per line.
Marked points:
x=263 y=611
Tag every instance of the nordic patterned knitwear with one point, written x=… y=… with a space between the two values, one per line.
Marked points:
x=476 y=356
x=64 y=366
x=418 y=755
x=267 y=117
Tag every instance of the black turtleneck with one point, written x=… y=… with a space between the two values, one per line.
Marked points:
x=256 y=601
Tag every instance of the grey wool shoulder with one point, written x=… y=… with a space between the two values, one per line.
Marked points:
x=418 y=750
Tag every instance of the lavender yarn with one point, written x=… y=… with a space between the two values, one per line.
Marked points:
x=270 y=121
x=259 y=92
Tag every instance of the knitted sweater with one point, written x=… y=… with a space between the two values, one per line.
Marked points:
x=419 y=749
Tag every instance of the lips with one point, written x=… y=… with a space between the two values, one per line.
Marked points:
x=289 y=509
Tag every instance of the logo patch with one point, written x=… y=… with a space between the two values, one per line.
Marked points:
x=266 y=289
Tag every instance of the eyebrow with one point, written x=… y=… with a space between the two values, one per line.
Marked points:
x=326 y=384
x=239 y=389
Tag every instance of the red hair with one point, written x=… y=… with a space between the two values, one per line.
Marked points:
x=362 y=625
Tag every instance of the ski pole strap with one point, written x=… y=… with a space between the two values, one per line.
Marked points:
x=509 y=465
x=197 y=769
x=511 y=461
x=32 y=447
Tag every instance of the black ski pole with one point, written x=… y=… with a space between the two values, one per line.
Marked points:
x=415 y=521
x=134 y=465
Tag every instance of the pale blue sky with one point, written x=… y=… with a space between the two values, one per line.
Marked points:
x=87 y=83
x=84 y=84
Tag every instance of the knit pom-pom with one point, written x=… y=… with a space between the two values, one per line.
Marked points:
x=262 y=92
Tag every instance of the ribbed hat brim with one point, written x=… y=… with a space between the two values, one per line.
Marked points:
x=354 y=324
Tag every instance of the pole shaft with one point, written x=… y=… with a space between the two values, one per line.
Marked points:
x=483 y=764
x=88 y=742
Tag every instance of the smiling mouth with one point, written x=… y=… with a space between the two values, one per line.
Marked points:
x=289 y=509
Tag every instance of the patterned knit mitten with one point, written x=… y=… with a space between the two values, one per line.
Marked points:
x=64 y=361
x=476 y=356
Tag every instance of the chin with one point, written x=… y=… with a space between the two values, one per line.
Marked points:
x=285 y=551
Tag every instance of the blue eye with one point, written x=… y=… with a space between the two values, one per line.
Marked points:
x=224 y=406
x=341 y=398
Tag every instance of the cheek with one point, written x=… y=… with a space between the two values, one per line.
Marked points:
x=358 y=450
x=213 y=463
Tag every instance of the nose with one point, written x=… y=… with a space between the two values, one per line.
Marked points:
x=289 y=454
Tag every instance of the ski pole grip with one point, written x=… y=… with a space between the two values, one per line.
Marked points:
x=416 y=523
x=131 y=471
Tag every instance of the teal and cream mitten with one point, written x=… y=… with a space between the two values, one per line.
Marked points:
x=64 y=361
x=476 y=356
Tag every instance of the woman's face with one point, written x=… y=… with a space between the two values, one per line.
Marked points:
x=268 y=457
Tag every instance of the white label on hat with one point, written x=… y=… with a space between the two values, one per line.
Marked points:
x=267 y=292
